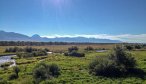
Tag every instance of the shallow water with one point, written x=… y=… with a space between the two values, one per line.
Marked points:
x=101 y=50
x=4 y=59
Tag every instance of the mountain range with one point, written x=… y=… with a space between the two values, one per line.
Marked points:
x=12 y=36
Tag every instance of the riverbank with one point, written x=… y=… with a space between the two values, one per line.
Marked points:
x=6 y=54
x=6 y=61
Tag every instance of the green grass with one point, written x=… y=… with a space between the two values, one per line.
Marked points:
x=74 y=70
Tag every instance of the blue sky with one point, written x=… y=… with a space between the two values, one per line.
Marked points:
x=73 y=17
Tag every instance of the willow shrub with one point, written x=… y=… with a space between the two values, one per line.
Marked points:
x=44 y=71
x=117 y=63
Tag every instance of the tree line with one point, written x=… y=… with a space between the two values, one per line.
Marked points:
x=29 y=43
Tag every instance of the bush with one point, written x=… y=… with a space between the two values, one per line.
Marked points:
x=66 y=54
x=104 y=67
x=14 y=49
x=32 y=54
x=40 y=73
x=16 y=70
x=24 y=50
x=138 y=46
x=40 y=53
x=89 y=48
x=73 y=48
x=13 y=76
x=4 y=82
x=118 y=63
x=54 y=70
x=46 y=49
x=122 y=58
x=129 y=47
x=20 y=55
x=75 y=54
x=43 y=71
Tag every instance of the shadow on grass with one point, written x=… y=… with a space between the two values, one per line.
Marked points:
x=136 y=72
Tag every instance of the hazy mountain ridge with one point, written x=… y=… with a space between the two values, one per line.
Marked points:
x=12 y=36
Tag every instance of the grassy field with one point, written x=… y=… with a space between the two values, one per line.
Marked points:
x=64 y=47
x=74 y=70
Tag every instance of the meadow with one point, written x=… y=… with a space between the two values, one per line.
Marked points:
x=74 y=70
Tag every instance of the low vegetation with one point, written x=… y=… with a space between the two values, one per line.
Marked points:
x=134 y=46
x=27 y=52
x=15 y=73
x=73 y=51
x=89 y=48
x=32 y=54
x=43 y=71
x=26 y=49
x=118 y=64
x=6 y=64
